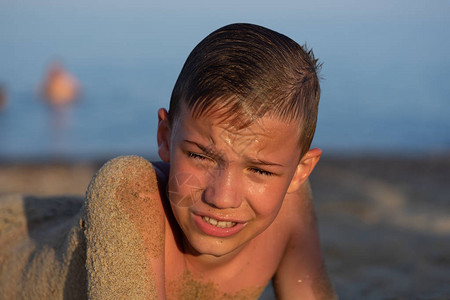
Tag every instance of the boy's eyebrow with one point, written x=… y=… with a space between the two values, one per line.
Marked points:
x=206 y=150
x=257 y=161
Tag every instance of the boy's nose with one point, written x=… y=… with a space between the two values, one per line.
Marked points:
x=223 y=188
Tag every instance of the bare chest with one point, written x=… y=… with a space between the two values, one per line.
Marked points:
x=244 y=277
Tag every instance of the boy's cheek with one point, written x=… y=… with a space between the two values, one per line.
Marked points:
x=184 y=190
x=266 y=199
x=186 y=183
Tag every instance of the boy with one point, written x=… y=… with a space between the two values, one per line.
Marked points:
x=233 y=209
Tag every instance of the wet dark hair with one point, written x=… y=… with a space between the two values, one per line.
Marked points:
x=245 y=72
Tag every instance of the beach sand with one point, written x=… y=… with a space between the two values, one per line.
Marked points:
x=385 y=226
x=384 y=221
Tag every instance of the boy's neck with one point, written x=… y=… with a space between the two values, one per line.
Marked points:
x=204 y=263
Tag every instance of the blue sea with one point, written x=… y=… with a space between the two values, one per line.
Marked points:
x=385 y=75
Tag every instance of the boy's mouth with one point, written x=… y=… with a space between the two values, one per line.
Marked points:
x=220 y=224
x=217 y=228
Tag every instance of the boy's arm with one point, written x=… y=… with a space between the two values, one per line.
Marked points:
x=302 y=273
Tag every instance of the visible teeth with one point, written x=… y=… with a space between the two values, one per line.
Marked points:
x=220 y=224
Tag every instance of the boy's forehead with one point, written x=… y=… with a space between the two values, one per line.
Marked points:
x=263 y=132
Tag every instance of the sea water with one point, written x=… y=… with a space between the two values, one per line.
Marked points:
x=385 y=75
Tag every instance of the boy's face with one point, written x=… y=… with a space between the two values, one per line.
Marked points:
x=226 y=186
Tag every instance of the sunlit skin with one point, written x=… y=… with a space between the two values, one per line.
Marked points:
x=240 y=181
x=252 y=177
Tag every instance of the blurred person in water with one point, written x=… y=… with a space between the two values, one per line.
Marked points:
x=59 y=87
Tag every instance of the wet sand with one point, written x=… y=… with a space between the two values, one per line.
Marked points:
x=384 y=221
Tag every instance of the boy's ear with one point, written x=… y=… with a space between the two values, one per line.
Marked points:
x=304 y=168
x=163 y=135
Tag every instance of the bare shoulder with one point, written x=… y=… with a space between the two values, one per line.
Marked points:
x=124 y=220
x=302 y=270
x=128 y=184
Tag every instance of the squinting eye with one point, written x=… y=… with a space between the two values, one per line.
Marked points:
x=196 y=156
x=261 y=172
